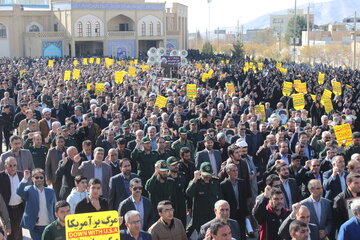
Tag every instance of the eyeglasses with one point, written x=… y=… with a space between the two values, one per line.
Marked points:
x=168 y=210
x=317 y=165
x=137 y=188
x=39 y=177
x=12 y=165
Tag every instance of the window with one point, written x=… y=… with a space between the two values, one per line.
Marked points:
x=80 y=29
x=123 y=27
x=151 y=29
x=56 y=27
x=88 y=29
x=2 y=31
x=143 y=29
x=97 y=29
x=34 y=28
x=158 y=29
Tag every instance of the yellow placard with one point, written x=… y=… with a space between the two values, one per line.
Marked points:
x=198 y=66
x=283 y=71
x=298 y=101
x=85 y=61
x=327 y=104
x=132 y=72
x=75 y=62
x=260 y=66
x=287 y=88
x=121 y=63
x=50 y=63
x=91 y=60
x=67 y=75
x=278 y=65
x=321 y=78
x=343 y=132
x=92 y=225
x=144 y=67
x=227 y=61
x=348 y=86
x=109 y=62
x=313 y=97
x=21 y=72
x=99 y=88
x=260 y=110
x=160 y=101
x=88 y=86
x=231 y=88
x=246 y=69
x=326 y=94
x=222 y=62
x=204 y=77
x=191 y=91
x=136 y=61
x=210 y=72
x=76 y=74
x=97 y=60
x=119 y=76
x=336 y=88
x=300 y=87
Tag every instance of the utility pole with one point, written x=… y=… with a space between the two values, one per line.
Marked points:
x=238 y=31
x=294 y=34
x=354 y=56
x=209 y=1
x=308 y=25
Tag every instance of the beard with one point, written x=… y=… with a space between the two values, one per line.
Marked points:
x=284 y=176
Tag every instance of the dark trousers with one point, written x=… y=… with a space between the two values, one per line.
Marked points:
x=15 y=214
x=36 y=233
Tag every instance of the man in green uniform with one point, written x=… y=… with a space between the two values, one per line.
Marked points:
x=37 y=149
x=194 y=135
x=354 y=147
x=204 y=190
x=127 y=133
x=145 y=159
x=164 y=153
x=183 y=142
x=160 y=186
x=180 y=186
x=56 y=229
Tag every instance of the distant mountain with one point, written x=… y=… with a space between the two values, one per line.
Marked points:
x=325 y=12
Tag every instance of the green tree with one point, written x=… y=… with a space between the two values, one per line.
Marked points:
x=207 y=48
x=238 y=50
x=300 y=26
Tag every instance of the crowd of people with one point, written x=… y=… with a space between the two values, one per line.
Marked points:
x=211 y=163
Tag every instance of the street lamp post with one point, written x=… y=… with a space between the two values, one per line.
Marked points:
x=209 y=1
x=294 y=38
x=354 y=38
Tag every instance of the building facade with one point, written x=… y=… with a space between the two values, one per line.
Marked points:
x=83 y=28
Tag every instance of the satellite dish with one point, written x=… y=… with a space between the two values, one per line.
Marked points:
x=151 y=60
x=152 y=52
x=183 y=53
x=161 y=51
x=184 y=61
x=157 y=59
x=174 y=53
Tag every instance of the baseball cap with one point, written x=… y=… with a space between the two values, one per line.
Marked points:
x=206 y=169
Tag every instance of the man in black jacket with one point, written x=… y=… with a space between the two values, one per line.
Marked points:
x=340 y=208
x=234 y=191
x=138 y=203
